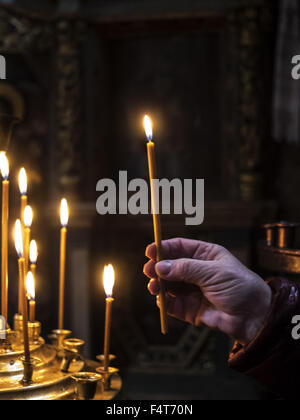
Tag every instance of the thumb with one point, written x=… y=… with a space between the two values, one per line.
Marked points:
x=184 y=269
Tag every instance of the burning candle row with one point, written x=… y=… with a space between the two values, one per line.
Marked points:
x=27 y=252
x=27 y=259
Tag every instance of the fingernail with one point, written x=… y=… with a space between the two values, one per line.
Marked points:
x=163 y=268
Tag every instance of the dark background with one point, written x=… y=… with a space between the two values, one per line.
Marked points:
x=88 y=71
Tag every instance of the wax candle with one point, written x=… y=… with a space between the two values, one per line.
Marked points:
x=28 y=216
x=33 y=255
x=30 y=287
x=23 y=192
x=64 y=218
x=156 y=219
x=4 y=166
x=21 y=263
x=108 y=282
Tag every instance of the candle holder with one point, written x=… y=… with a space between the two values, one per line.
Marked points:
x=107 y=376
x=28 y=370
x=72 y=351
x=286 y=234
x=68 y=357
x=18 y=322
x=61 y=335
x=100 y=358
x=74 y=344
x=34 y=331
x=86 y=385
x=270 y=233
x=18 y=326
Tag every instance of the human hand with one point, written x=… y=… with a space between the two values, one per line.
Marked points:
x=206 y=284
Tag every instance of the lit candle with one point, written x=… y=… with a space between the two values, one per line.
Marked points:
x=108 y=282
x=28 y=216
x=33 y=255
x=64 y=218
x=23 y=192
x=21 y=263
x=30 y=286
x=156 y=219
x=4 y=166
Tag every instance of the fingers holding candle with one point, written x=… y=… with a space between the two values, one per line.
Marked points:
x=182 y=248
x=176 y=306
x=153 y=287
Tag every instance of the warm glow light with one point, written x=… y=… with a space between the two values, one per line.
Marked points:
x=28 y=216
x=23 y=181
x=108 y=279
x=64 y=212
x=30 y=286
x=18 y=238
x=148 y=127
x=33 y=254
x=4 y=167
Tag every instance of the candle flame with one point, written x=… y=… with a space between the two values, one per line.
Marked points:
x=64 y=212
x=28 y=216
x=30 y=286
x=148 y=127
x=18 y=238
x=33 y=253
x=23 y=181
x=108 y=279
x=4 y=166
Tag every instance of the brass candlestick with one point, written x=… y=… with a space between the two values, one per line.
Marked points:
x=28 y=370
x=72 y=351
x=86 y=384
x=34 y=331
x=107 y=376
x=61 y=335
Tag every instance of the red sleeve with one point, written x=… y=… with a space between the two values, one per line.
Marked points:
x=273 y=357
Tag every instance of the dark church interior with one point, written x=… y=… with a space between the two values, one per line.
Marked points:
x=215 y=77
